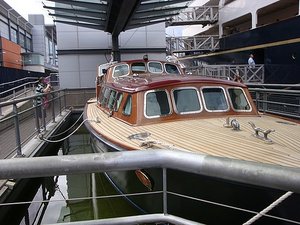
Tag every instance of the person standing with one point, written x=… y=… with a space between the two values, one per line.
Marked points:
x=251 y=61
x=41 y=88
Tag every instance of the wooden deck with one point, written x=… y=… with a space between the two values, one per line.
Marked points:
x=209 y=136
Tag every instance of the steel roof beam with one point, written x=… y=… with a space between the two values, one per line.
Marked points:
x=95 y=14
x=152 y=5
x=82 y=19
x=93 y=26
x=156 y=11
x=89 y=5
x=125 y=11
x=148 y=18
x=137 y=25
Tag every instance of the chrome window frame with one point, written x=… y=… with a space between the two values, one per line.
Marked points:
x=179 y=71
x=125 y=104
x=162 y=67
x=225 y=94
x=231 y=104
x=113 y=72
x=185 y=88
x=169 y=101
x=140 y=71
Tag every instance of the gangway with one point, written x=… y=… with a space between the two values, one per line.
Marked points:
x=203 y=15
x=254 y=74
x=184 y=44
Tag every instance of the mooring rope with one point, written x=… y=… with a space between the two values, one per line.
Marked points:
x=65 y=131
x=267 y=209
x=41 y=136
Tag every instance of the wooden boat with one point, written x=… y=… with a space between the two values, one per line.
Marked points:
x=149 y=104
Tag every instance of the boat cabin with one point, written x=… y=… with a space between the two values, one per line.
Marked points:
x=146 y=92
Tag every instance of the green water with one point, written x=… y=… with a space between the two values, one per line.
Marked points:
x=72 y=195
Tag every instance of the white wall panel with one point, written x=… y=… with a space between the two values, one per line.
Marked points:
x=93 y=39
x=69 y=79
x=67 y=40
x=240 y=8
x=68 y=63
x=135 y=39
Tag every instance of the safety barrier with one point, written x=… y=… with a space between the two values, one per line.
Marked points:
x=263 y=175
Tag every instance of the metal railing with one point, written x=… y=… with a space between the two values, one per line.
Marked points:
x=25 y=119
x=248 y=74
x=196 y=15
x=16 y=88
x=262 y=175
x=280 y=102
x=192 y=44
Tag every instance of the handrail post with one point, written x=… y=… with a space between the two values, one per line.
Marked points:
x=65 y=99
x=37 y=122
x=17 y=130
x=165 y=196
x=59 y=103
x=52 y=102
x=43 y=116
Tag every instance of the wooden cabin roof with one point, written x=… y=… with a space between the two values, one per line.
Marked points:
x=143 y=82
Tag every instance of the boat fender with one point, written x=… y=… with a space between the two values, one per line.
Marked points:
x=145 y=179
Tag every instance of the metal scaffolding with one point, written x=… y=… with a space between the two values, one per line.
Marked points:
x=196 y=15
x=203 y=43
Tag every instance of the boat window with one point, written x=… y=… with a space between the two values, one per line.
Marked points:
x=118 y=102
x=112 y=99
x=170 y=68
x=186 y=100
x=105 y=96
x=238 y=99
x=157 y=104
x=121 y=70
x=128 y=106
x=155 y=67
x=215 y=99
x=138 y=67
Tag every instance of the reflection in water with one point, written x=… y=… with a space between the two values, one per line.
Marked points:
x=77 y=196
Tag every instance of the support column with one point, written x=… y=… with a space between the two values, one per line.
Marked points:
x=115 y=48
x=254 y=19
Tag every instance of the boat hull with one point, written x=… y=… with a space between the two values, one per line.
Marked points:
x=198 y=198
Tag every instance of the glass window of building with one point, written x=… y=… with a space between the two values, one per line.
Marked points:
x=13 y=35
x=22 y=40
x=4 y=30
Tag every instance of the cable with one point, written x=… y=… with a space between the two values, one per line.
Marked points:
x=267 y=209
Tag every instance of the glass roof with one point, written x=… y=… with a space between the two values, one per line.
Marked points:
x=115 y=16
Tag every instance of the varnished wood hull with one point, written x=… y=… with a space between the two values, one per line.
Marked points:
x=111 y=135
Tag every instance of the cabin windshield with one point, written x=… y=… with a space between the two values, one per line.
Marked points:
x=186 y=100
x=215 y=99
x=121 y=70
x=157 y=104
x=238 y=99
x=170 y=68
x=138 y=67
x=155 y=67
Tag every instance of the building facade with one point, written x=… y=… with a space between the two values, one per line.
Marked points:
x=81 y=50
x=26 y=45
x=266 y=29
